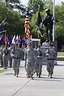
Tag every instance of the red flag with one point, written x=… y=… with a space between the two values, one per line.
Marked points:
x=4 y=39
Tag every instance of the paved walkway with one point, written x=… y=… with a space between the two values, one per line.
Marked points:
x=44 y=86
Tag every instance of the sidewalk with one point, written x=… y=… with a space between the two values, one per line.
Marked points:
x=44 y=86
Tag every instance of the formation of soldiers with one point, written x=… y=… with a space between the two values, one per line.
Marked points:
x=33 y=60
x=32 y=56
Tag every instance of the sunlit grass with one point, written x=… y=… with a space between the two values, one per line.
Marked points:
x=1 y=71
x=60 y=53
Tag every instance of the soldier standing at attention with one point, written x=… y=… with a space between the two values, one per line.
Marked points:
x=16 y=55
x=51 y=56
x=30 y=61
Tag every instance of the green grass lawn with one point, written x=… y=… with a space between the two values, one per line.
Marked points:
x=60 y=53
x=1 y=71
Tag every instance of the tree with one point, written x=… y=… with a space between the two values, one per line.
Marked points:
x=33 y=5
x=59 y=22
x=14 y=23
x=16 y=1
x=16 y=6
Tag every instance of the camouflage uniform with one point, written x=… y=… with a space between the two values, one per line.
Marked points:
x=30 y=60
x=51 y=56
x=1 y=56
x=9 y=57
x=25 y=56
x=38 y=62
x=5 y=56
x=16 y=55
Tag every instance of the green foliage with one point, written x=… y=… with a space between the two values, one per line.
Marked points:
x=14 y=23
x=59 y=22
x=33 y=25
x=17 y=1
x=33 y=5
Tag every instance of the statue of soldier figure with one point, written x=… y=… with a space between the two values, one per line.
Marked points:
x=48 y=23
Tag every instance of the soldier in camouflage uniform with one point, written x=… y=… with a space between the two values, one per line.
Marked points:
x=9 y=56
x=5 y=56
x=51 y=56
x=38 y=62
x=16 y=55
x=1 y=54
x=30 y=60
x=25 y=55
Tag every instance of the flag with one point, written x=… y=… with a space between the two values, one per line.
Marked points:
x=39 y=19
x=9 y=40
x=4 y=39
x=39 y=24
x=13 y=40
x=27 y=25
x=16 y=39
x=1 y=38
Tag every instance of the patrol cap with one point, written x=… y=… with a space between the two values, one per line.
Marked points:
x=47 y=10
x=51 y=44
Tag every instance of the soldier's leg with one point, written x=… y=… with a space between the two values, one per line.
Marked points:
x=28 y=70
x=25 y=64
x=10 y=61
x=37 y=69
x=32 y=70
x=1 y=61
x=48 y=69
x=51 y=69
x=36 y=66
x=40 y=68
x=5 y=63
x=14 y=67
x=17 y=68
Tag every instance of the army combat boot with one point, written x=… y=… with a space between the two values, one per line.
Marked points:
x=51 y=76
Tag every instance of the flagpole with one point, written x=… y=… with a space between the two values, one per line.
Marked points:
x=54 y=18
x=2 y=31
x=38 y=28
